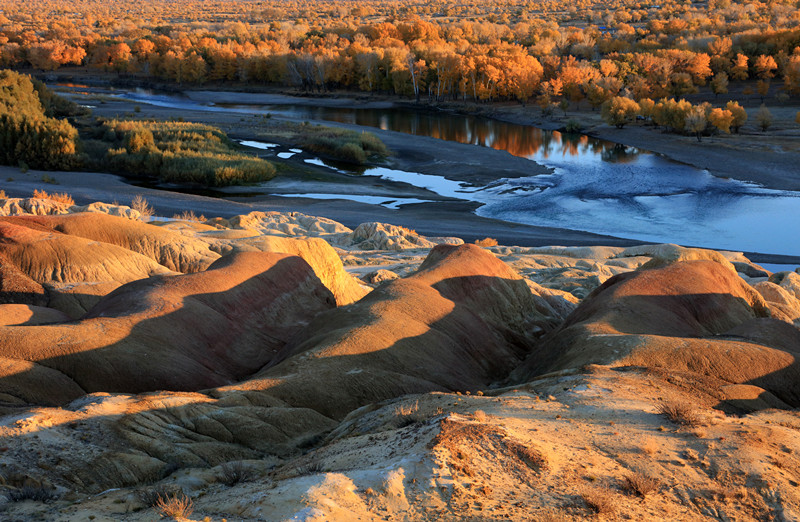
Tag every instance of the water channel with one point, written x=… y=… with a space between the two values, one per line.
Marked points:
x=596 y=185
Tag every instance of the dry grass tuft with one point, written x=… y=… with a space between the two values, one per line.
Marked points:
x=35 y=492
x=3 y=194
x=408 y=231
x=601 y=500
x=139 y=203
x=486 y=242
x=640 y=484
x=407 y=409
x=408 y=414
x=151 y=496
x=177 y=507
x=480 y=416
x=189 y=215
x=58 y=197
x=232 y=473
x=681 y=413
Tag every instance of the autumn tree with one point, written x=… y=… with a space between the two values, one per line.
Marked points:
x=791 y=75
x=740 y=70
x=765 y=66
x=739 y=115
x=764 y=118
x=695 y=121
x=619 y=111
x=719 y=84
x=721 y=119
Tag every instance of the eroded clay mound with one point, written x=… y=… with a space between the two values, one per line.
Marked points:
x=691 y=316
x=459 y=323
x=383 y=236
x=47 y=256
x=176 y=332
x=74 y=272
x=17 y=287
x=316 y=252
x=174 y=251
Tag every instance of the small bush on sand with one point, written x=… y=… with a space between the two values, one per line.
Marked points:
x=150 y=496
x=408 y=414
x=681 y=413
x=38 y=493
x=640 y=484
x=486 y=242
x=140 y=204
x=189 y=215
x=177 y=507
x=601 y=500
x=232 y=473
x=58 y=197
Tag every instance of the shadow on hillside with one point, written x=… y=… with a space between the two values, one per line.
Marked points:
x=287 y=406
x=405 y=337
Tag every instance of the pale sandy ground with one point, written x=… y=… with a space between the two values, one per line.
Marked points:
x=534 y=452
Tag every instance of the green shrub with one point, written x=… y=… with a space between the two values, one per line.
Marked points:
x=573 y=126
x=27 y=133
x=175 y=152
x=342 y=144
x=352 y=153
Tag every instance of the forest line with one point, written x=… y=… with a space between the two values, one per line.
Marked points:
x=521 y=51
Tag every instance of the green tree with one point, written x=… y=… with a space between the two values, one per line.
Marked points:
x=27 y=134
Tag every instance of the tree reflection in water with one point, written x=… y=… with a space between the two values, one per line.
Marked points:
x=520 y=140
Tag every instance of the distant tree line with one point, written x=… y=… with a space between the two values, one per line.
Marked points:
x=516 y=50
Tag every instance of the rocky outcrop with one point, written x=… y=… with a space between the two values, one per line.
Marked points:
x=292 y=224
x=782 y=303
x=176 y=332
x=789 y=281
x=382 y=236
x=35 y=206
x=99 y=207
x=379 y=276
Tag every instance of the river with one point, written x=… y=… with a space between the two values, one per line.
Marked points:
x=596 y=185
